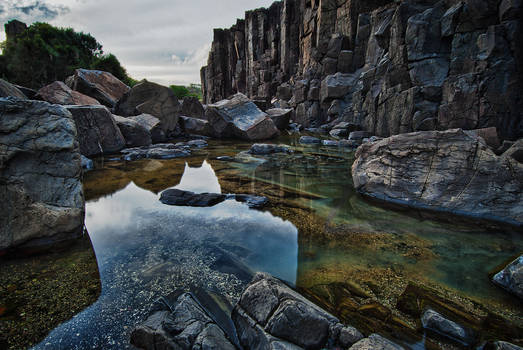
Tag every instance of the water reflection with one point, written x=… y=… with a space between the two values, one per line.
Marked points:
x=146 y=249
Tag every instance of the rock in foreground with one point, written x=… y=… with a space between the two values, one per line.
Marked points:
x=449 y=171
x=239 y=117
x=40 y=175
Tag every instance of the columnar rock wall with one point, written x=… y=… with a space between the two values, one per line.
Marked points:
x=389 y=66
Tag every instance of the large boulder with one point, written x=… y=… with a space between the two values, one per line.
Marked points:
x=97 y=130
x=61 y=94
x=153 y=125
x=450 y=171
x=195 y=126
x=40 y=175
x=7 y=89
x=192 y=107
x=239 y=117
x=150 y=98
x=134 y=133
x=270 y=315
x=102 y=86
x=280 y=117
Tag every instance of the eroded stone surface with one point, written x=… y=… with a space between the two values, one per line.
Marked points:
x=62 y=94
x=102 y=86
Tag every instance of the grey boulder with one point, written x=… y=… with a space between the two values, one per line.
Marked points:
x=375 y=342
x=195 y=126
x=134 y=133
x=265 y=148
x=280 y=117
x=511 y=277
x=157 y=151
x=100 y=85
x=62 y=94
x=153 y=125
x=7 y=89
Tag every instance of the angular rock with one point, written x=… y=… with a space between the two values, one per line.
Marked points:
x=61 y=94
x=29 y=93
x=511 y=277
x=375 y=342
x=447 y=171
x=97 y=130
x=7 y=89
x=154 y=99
x=265 y=148
x=153 y=125
x=359 y=135
x=195 y=126
x=87 y=164
x=336 y=86
x=490 y=135
x=102 y=86
x=192 y=107
x=191 y=199
x=239 y=117
x=502 y=345
x=253 y=202
x=436 y=322
x=40 y=175
x=157 y=151
x=308 y=140
x=134 y=133
x=280 y=117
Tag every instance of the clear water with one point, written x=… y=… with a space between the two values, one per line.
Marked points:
x=146 y=249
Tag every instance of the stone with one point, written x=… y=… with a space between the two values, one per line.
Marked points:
x=349 y=143
x=510 y=10
x=450 y=19
x=61 y=94
x=443 y=171
x=191 y=199
x=153 y=125
x=192 y=107
x=253 y=202
x=345 y=61
x=348 y=336
x=199 y=143
x=431 y=71
x=436 y=322
x=7 y=89
x=40 y=175
x=502 y=345
x=284 y=92
x=280 y=117
x=375 y=342
x=239 y=117
x=102 y=86
x=511 y=277
x=87 y=164
x=330 y=143
x=153 y=99
x=490 y=135
x=308 y=140
x=134 y=133
x=97 y=130
x=157 y=151
x=29 y=93
x=359 y=135
x=195 y=126
x=265 y=148
x=336 y=86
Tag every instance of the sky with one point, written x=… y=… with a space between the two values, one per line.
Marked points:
x=165 y=41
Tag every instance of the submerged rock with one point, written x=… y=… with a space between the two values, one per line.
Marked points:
x=436 y=322
x=447 y=171
x=40 y=175
x=157 y=151
x=309 y=140
x=190 y=199
x=100 y=85
x=62 y=94
x=511 y=277
x=239 y=117
x=253 y=202
x=265 y=148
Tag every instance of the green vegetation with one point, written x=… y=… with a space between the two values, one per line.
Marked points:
x=43 y=53
x=193 y=90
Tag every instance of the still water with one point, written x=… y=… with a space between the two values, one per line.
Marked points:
x=317 y=231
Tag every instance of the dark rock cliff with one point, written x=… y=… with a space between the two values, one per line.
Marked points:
x=389 y=66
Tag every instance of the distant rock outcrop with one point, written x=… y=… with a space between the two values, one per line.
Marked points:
x=40 y=175
x=389 y=67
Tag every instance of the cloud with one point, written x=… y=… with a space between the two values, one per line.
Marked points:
x=30 y=10
x=166 y=41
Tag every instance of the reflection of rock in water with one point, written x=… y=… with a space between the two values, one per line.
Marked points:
x=40 y=292
x=199 y=179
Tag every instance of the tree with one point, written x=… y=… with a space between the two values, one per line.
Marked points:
x=110 y=63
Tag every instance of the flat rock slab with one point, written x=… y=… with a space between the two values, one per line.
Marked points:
x=61 y=94
x=158 y=151
x=447 y=171
x=511 y=277
x=190 y=199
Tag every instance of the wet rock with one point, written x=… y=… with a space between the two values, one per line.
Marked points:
x=192 y=107
x=195 y=126
x=7 y=89
x=265 y=148
x=225 y=158
x=62 y=94
x=330 y=143
x=253 y=202
x=239 y=117
x=190 y=199
x=40 y=175
x=134 y=133
x=87 y=164
x=186 y=326
x=97 y=130
x=153 y=125
x=375 y=342
x=309 y=140
x=448 y=171
x=280 y=117
x=153 y=99
x=511 y=277
x=436 y=322
x=157 y=151
x=197 y=143
x=102 y=86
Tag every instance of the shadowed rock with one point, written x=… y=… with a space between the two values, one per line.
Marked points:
x=62 y=94
x=100 y=85
x=511 y=277
x=190 y=199
x=134 y=133
x=7 y=89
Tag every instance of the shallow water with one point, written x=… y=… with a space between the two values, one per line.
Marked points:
x=327 y=233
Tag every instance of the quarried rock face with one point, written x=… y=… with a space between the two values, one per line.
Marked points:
x=390 y=67
x=7 y=89
x=102 y=86
x=156 y=100
x=97 y=130
x=449 y=171
x=240 y=117
x=40 y=175
x=62 y=94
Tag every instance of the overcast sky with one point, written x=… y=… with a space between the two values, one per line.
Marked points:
x=166 y=41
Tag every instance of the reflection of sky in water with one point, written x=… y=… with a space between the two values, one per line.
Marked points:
x=143 y=247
